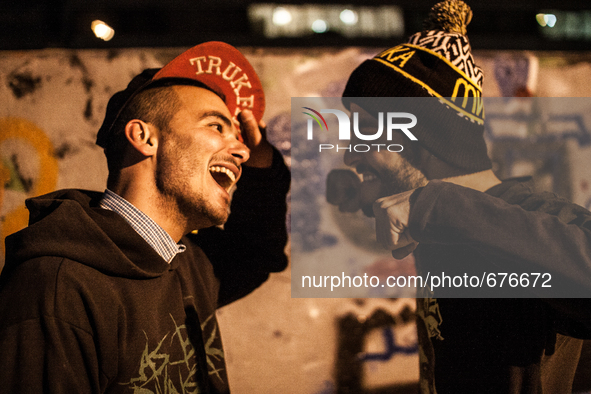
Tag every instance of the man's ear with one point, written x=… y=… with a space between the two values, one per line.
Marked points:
x=429 y=164
x=142 y=136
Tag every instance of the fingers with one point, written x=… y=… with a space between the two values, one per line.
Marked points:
x=401 y=253
x=249 y=128
x=263 y=128
x=342 y=189
x=392 y=216
x=254 y=135
x=392 y=237
x=388 y=231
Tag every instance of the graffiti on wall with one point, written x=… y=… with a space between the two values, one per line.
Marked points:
x=542 y=137
x=77 y=87
x=28 y=168
x=539 y=137
x=358 y=365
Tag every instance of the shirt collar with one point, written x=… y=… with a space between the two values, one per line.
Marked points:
x=148 y=229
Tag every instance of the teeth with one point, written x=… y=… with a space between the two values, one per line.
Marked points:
x=224 y=170
x=368 y=177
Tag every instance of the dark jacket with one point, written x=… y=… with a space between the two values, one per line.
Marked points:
x=505 y=343
x=87 y=306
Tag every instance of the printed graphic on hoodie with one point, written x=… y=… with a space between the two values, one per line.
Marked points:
x=163 y=369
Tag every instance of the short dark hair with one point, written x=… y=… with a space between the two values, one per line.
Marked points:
x=155 y=105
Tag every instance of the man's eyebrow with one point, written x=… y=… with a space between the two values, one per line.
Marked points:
x=217 y=114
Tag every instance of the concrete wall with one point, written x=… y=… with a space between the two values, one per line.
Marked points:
x=52 y=103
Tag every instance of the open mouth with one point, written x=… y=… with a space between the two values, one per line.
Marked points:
x=368 y=176
x=223 y=176
x=367 y=173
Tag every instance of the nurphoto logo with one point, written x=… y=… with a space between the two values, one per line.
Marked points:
x=393 y=122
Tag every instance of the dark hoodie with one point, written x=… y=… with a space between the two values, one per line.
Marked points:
x=87 y=306
x=501 y=345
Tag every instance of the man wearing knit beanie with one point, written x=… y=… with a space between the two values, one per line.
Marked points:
x=440 y=199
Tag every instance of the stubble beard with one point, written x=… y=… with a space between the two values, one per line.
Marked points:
x=397 y=180
x=174 y=171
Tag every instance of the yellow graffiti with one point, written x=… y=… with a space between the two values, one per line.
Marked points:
x=22 y=130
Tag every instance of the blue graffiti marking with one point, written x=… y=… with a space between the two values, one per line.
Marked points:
x=391 y=348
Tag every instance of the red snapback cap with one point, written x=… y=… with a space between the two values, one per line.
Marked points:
x=214 y=65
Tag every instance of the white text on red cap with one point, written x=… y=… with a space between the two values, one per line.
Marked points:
x=215 y=63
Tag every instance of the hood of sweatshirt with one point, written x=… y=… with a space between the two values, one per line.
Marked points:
x=70 y=224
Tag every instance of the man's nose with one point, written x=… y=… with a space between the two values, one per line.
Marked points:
x=239 y=151
x=351 y=158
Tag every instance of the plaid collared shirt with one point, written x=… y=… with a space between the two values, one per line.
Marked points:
x=154 y=235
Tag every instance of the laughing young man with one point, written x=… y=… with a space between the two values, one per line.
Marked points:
x=116 y=292
x=440 y=199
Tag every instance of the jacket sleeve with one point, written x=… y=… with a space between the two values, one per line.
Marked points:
x=253 y=240
x=516 y=239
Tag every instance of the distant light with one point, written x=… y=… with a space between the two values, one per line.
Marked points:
x=348 y=17
x=281 y=16
x=102 y=30
x=550 y=19
x=546 y=20
x=285 y=19
x=319 y=26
